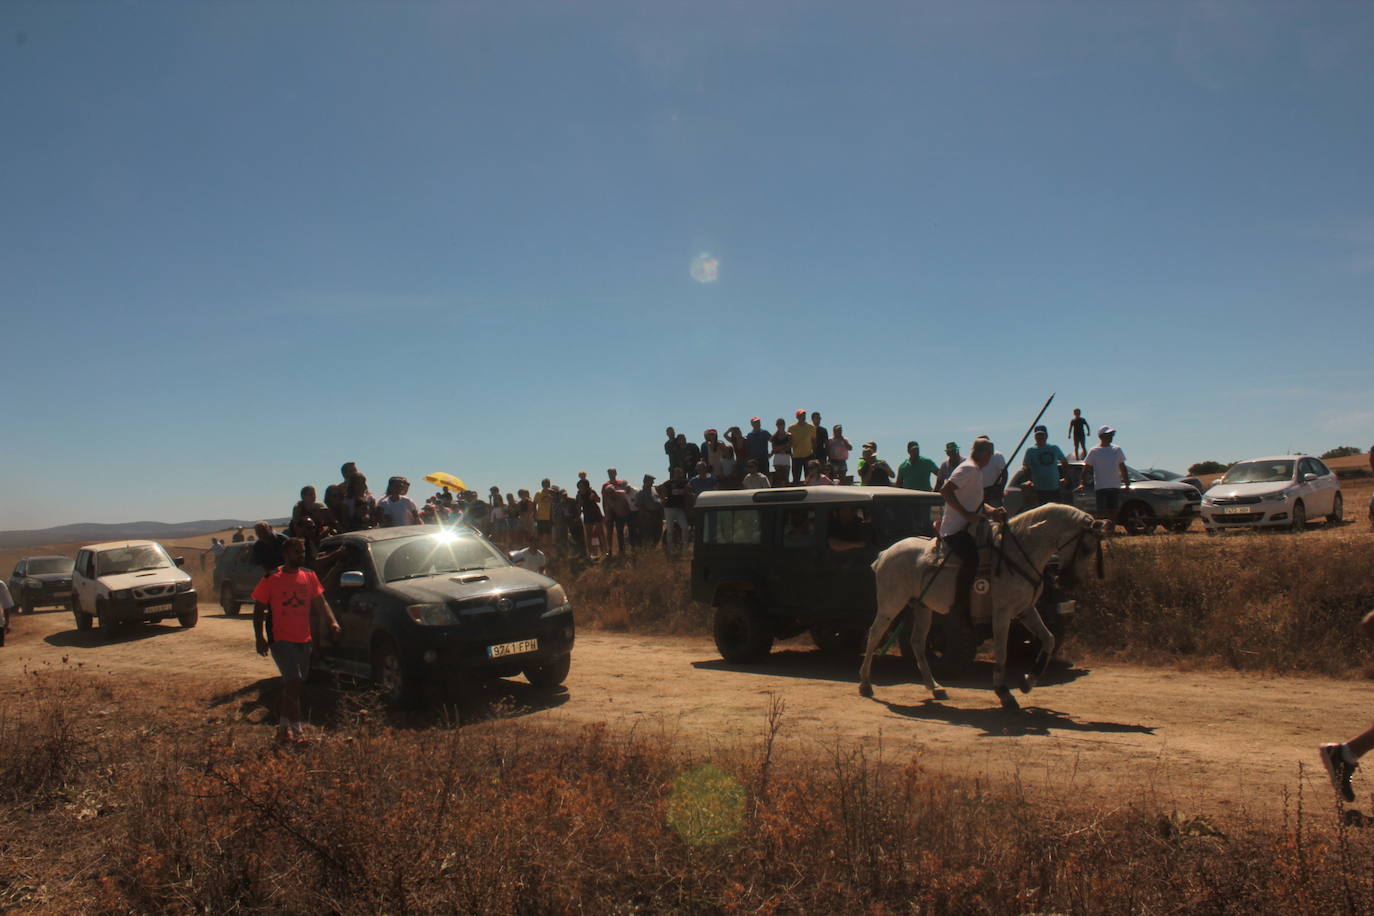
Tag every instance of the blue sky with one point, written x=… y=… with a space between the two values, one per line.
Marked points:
x=244 y=242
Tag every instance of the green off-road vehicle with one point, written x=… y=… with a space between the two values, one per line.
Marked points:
x=775 y=563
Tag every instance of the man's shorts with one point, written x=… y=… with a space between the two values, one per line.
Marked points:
x=1108 y=500
x=292 y=658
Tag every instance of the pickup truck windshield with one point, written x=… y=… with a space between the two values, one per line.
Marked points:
x=432 y=555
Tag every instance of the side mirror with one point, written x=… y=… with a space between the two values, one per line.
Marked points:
x=352 y=579
x=1309 y=477
x=180 y=561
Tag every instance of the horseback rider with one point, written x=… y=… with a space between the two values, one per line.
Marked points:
x=964 y=505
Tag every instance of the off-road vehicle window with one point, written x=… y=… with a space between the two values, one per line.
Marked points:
x=798 y=528
x=733 y=526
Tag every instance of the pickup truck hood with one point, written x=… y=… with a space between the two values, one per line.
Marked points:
x=142 y=579
x=460 y=586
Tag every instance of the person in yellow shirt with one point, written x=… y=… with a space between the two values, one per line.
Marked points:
x=803 y=436
x=543 y=512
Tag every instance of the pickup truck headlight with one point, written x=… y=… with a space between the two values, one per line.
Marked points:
x=184 y=586
x=432 y=615
x=123 y=594
x=555 y=597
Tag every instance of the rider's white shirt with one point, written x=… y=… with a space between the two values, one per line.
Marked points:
x=968 y=492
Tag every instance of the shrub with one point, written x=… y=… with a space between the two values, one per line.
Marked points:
x=1341 y=451
x=1208 y=467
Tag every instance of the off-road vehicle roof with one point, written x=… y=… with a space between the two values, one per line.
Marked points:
x=113 y=545
x=717 y=499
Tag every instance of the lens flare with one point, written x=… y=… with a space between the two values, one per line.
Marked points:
x=705 y=268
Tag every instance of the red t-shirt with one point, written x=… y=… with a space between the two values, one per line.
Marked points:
x=290 y=596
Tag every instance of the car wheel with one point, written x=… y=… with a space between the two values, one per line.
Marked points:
x=549 y=675
x=1137 y=518
x=389 y=674
x=189 y=619
x=741 y=631
x=1299 y=517
x=227 y=601
x=83 y=621
x=107 y=625
x=1337 y=511
x=1178 y=526
x=837 y=640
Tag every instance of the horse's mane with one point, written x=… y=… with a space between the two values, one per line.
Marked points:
x=1057 y=511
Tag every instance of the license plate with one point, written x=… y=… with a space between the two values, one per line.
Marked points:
x=157 y=609
x=60 y=594
x=1236 y=510
x=519 y=647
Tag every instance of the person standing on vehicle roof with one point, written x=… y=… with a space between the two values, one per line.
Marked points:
x=1078 y=433
x=1048 y=468
x=803 y=438
x=914 y=473
x=396 y=509
x=1107 y=463
x=964 y=505
x=756 y=443
x=291 y=596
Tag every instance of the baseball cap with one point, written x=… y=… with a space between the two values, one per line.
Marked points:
x=755 y=420
x=912 y=444
x=1106 y=431
x=951 y=446
x=801 y=413
x=872 y=445
x=650 y=477
x=1042 y=429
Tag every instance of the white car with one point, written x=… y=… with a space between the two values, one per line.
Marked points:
x=1285 y=491
x=128 y=582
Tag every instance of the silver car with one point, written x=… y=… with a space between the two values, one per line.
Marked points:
x=1146 y=504
x=1284 y=491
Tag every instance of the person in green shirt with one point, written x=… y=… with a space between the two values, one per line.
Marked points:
x=914 y=473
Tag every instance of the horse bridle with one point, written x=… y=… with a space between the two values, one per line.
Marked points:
x=1077 y=542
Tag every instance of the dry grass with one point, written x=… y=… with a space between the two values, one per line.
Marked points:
x=128 y=811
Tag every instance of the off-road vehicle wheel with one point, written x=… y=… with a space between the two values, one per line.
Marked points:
x=389 y=675
x=107 y=625
x=227 y=601
x=838 y=640
x=84 y=621
x=1137 y=518
x=549 y=675
x=742 y=632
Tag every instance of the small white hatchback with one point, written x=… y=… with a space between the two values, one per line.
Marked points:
x=1285 y=491
x=127 y=582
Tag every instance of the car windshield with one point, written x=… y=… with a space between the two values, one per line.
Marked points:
x=135 y=558
x=1158 y=474
x=1135 y=476
x=434 y=554
x=1259 y=472
x=44 y=566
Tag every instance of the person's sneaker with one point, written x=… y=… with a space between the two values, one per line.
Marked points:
x=1333 y=758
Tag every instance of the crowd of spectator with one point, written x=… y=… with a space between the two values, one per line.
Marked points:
x=612 y=516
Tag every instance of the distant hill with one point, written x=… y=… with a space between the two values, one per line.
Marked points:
x=90 y=532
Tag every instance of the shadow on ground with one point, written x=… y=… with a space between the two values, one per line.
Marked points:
x=334 y=703
x=888 y=670
x=97 y=637
x=997 y=722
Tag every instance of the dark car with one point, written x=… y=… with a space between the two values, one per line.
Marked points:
x=1146 y=504
x=776 y=563
x=1161 y=474
x=42 y=582
x=421 y=606
x=235 y=576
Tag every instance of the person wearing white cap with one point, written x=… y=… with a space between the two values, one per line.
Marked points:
x=1107 y=464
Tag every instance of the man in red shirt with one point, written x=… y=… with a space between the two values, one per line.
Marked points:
x=291 y=595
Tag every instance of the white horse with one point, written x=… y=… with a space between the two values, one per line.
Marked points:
x=909 y=572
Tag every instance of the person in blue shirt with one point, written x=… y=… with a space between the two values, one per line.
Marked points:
x=1048 y=469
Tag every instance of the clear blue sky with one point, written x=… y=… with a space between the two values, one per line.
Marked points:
x=243 y=242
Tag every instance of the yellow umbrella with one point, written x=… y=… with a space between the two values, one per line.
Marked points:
x=447 y=481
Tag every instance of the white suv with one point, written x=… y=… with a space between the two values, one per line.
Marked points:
x=1284 y=491
x=128 y=582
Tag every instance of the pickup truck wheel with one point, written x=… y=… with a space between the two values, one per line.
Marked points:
x=550 y=674
x=227 y=601
x=84 y=621
x=389 y=675
x=189 y=619
x=838 y=640
x=741 y=631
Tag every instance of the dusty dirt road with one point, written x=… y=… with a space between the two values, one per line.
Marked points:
x=1186 y=740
